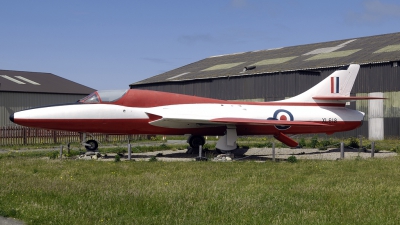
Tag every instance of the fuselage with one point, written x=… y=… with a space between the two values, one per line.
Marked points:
x=137 y=112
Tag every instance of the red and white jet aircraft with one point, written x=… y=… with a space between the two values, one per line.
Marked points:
x=321 y=109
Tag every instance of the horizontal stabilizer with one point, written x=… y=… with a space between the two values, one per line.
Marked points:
x=345 y=98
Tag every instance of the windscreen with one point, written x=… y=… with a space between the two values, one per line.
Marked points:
x=111 y=95
x=103 y=96
x=92 y=98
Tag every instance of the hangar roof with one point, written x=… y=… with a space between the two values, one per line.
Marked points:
x=364 y=50
x=20 y=81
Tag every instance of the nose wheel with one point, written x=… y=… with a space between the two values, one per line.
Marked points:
x=91 y=145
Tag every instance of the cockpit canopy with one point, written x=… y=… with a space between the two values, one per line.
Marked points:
x=104 y=96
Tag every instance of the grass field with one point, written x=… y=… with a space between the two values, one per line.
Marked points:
x=42 y=191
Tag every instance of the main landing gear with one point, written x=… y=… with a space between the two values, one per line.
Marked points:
x=226 y=143
x=196 y=140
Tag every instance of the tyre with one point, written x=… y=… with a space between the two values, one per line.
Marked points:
x=195 y=141
x=92 y=145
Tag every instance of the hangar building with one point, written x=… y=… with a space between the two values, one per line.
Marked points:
x=276 y=74
x=20 y=90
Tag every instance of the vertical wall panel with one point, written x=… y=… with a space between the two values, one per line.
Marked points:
x=392 y=104
x=392 y=127
x=375 y=117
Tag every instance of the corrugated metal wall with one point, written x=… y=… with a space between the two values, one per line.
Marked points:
x=15 y=101
x=380 y=77
x=270 y=87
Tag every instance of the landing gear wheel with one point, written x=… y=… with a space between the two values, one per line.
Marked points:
x=195 y=141
x=91 y=145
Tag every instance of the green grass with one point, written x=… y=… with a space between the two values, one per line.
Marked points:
x=43 y=191
x=36 y=154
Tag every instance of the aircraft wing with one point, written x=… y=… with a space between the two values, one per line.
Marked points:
x=179 y=122
x=199 y=122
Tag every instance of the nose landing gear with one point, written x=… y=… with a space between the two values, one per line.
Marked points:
x=90 y=145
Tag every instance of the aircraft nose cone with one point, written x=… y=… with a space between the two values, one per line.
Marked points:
x=12 y=117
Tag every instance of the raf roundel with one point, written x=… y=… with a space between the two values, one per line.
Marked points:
x=282 y=114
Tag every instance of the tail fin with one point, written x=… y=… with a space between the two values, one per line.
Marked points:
x=336 y=87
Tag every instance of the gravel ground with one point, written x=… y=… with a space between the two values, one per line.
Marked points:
x=330 y=154
x=260 y=154
x=10 y=221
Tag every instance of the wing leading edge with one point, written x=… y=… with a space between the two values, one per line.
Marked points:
x=345 y=98
x=196 y=122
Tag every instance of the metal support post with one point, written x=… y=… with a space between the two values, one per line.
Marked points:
x=200 y=150
x=61 y=151
x=372 y=149
x=129 y=151
x=273 y=151
x=341 y=150
x=200 y=157
x=69 y=149
x=83 y=139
